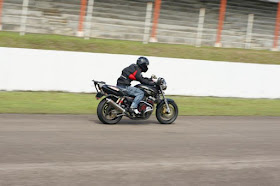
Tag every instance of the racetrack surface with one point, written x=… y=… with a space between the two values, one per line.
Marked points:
x=78 y=150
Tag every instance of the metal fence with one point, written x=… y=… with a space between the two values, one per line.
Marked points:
x=246 y=24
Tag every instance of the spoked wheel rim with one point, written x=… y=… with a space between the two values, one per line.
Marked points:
x=167 y=116
x=161 y=113
x=109 y=112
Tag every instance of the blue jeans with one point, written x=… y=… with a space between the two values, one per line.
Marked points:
x=133 y=91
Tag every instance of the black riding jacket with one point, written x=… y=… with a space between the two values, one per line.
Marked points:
x=133 y=72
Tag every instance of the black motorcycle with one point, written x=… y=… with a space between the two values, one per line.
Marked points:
x=117 y=102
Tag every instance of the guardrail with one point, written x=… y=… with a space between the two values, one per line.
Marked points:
x=250 y=24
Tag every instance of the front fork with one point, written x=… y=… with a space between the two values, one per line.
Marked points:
x=165 y=101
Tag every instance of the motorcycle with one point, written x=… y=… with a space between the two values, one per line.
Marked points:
x=116 y=103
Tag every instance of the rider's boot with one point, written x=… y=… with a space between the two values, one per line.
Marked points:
x=134 y=110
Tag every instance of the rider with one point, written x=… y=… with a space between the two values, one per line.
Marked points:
x=133 y=72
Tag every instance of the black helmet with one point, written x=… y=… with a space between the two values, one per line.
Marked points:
x=143 y=63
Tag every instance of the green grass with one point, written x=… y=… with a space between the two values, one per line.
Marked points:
x=56 y=42
x=71 y=103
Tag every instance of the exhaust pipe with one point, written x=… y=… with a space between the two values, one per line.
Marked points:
x=115 y=105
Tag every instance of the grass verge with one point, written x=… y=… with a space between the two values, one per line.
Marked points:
x=56 y=42
x=71 y=103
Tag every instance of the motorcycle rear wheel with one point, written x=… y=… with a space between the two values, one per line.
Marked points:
x=165 y=118
x=107 y=114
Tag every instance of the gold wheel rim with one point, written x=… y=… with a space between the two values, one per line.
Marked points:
x=165 y=115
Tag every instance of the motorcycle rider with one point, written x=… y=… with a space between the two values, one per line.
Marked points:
x=133 y=72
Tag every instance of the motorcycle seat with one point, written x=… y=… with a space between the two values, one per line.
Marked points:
x=110 y=89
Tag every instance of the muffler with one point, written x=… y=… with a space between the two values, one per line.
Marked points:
x=115 y=105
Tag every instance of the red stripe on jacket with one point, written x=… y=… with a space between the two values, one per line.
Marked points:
x=132 y=76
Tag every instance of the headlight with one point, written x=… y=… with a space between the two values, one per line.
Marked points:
x=162 y=83
x=164 y=86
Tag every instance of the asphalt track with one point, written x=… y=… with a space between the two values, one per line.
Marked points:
x=78 y=150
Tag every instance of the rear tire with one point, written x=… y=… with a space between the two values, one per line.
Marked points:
x=106 y=113
x=161 y=114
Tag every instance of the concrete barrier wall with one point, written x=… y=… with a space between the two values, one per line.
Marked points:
x=45 y=70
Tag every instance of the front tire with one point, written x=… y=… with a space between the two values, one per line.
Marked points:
x=107 y=114
x=162 y=116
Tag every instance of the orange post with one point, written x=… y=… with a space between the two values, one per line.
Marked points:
x=277 y=25
x=82 y=15
x=221 y=22
x=155 y=20
x=1 y=6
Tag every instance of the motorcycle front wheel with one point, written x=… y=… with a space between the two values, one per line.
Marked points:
x=107 y=114
x=167 y=118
